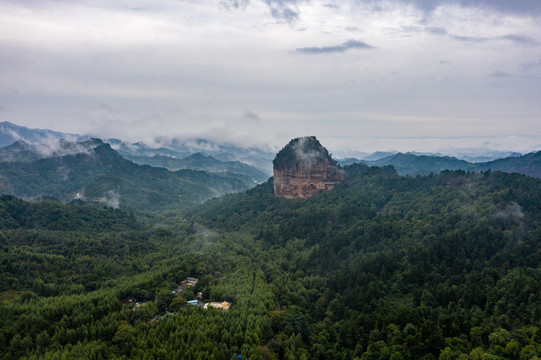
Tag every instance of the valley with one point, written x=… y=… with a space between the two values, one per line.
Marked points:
x=270 y=180
x=378 y=266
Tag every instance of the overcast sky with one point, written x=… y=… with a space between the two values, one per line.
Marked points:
x=359 y=74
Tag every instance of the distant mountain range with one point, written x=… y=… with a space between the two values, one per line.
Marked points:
x=174 y=149
x=10 y=133
x=199 y=161
x=101 y=175
x=249 y=165
x=529 y=164
x=21 y=151
x=139 y=151
x=412 y=164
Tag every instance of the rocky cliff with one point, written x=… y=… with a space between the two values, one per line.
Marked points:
x=303 y=168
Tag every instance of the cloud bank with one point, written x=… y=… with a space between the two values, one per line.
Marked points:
x=265 y=71
x=350 y=44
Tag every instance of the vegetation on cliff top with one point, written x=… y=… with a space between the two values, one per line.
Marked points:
x=306 y=149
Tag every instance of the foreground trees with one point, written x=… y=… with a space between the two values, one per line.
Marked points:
x=382 y=267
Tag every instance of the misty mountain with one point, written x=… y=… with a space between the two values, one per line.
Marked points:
x=202 y=162
x=102 y=175
x=175 y=148
x=481 y=155
x=10 y=133
x=379 y=155
x=362 y=157
x=140 y=149
x=411 y=164
x=21 y=151
x=171 y=147
x=348 y=161
x=529 y=164
x=35 y=144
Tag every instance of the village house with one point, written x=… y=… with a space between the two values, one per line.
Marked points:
x=184 y=284
x=190 y=281
x=224 y=305
x=138 y=304
x=128 y=300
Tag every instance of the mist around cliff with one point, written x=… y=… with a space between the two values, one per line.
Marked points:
x=307 y=150
x=304 y=152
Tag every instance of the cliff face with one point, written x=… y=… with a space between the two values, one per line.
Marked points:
x=303 y=168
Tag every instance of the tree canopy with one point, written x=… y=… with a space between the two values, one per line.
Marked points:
x=442 y=266
x=304 y=149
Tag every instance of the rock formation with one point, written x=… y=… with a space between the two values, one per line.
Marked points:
x=303 y=168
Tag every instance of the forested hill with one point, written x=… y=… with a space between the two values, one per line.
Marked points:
x=51 y=215
x=21 y=151
x=381 y=267
x=198 y=161
x=397 y=267
x=102 y=175
x=529 y=164
x=413 y=164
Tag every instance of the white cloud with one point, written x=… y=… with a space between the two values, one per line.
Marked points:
x=196 y=68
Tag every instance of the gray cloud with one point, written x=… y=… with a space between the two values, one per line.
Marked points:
x=252 y=116
x=436 y=30
x=350 y=44
x=332 y=6
x=522 y=7
x=474 y=39
x=410 y=28
x=284 y=10
x=499 y=74
x=531 y=64
x=234 y=4
x=519 y=39
x=219 y=65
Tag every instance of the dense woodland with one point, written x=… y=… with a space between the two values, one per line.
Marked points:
x=301 y=150
x=199 y=161
x=101 y=175
x=413 y=164
x=382 y=267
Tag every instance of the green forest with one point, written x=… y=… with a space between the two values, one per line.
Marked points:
x=442 y=266
x=103 y=176
x=298 y=150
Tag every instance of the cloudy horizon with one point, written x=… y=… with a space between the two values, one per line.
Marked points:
x=404 y=75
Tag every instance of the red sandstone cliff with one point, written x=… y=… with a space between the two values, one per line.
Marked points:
x=304 y=168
